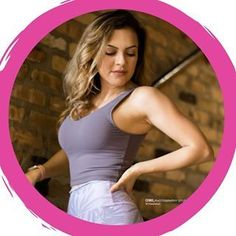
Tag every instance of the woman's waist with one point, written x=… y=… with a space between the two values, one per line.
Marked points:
x=89 y=183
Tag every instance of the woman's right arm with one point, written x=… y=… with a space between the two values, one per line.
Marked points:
x=57 y=165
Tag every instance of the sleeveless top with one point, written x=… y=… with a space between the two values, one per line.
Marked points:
x=95 y=147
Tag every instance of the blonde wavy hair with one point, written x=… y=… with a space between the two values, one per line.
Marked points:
x=81 y=80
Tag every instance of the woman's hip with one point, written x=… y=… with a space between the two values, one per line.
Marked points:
x=94 y=202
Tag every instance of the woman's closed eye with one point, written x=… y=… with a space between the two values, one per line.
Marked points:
x=110 y=53
x=130 y=54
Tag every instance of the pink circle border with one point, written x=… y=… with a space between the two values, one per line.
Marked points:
x=206 y=42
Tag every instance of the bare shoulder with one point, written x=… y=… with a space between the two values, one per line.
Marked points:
x=139 y=102
x=145 y=108
x=148 y=101
x=143 y=94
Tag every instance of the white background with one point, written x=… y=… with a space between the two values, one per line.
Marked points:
x=217 y=217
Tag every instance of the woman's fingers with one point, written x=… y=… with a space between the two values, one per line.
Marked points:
x=115 y=187
x=33 y=176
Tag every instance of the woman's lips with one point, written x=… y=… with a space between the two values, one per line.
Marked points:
x=119 y=72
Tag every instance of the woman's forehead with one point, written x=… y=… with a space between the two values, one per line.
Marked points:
x=125 y=36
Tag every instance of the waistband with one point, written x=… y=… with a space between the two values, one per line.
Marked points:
x=75 y=187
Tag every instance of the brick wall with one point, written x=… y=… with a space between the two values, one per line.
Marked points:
x=37 y=101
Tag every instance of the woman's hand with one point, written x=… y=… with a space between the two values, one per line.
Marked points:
x=33 y=176
x=127 y=181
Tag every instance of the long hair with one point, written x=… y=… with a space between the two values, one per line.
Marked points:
x=81 y=79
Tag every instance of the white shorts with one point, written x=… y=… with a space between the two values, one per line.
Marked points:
x=93 y=202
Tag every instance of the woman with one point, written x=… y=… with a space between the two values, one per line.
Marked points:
x=107 y=117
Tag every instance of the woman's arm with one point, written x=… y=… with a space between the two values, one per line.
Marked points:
x=183 y=157
x=159 y=111
x=163 y=114
x=57 y=165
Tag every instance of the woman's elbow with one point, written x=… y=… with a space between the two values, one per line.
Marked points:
x=207 y=153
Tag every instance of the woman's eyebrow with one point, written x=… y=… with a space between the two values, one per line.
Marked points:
x=133 y=46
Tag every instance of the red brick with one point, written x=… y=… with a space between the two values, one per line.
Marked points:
x=193 y=167
x=56 y=188
x=147 y=214
x=170 y=28
x=215 y=149
x=16 y=113
x=180 y=79
x=29 y=94
x=37 y=55
x=86 y=18
x=24 y=137
x=72 y=29
x=169 y=206
x=193 y=70
x=198 y=87
x=216 y=94
x=59 y=64
x=23 y=72
x=62 y=29
x=54 y=42
x=146 y=151
x=208 y=106
x=53 y=146
x=203 y=117
x=145 y=18
x=194 y=179
x=176 y=175
x=156 y=36
x=43 y=123
x=183 y=192
x=211 y=134
x=162 y=190
x=168 y=89
x=221 y=110
x=47 y=80
x=205 y=167
x=152 y=177
x=163 y=60
x=180 y=50
x=153 y=135
x=193 y=115
x=185 y=108
x=57 y=104
x=170 y=143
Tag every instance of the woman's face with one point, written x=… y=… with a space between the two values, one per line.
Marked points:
x=120 y=58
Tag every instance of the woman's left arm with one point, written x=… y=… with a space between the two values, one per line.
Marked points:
x=164 y=115
x=160 y=112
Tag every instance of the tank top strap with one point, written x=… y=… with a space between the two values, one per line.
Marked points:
x=121 y=97
x=115 y=102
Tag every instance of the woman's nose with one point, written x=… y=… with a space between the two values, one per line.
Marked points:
x=120 y=59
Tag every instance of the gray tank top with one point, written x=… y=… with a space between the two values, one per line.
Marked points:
x=96 y=148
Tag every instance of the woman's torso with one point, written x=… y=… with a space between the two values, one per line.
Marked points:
x=102 y=145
